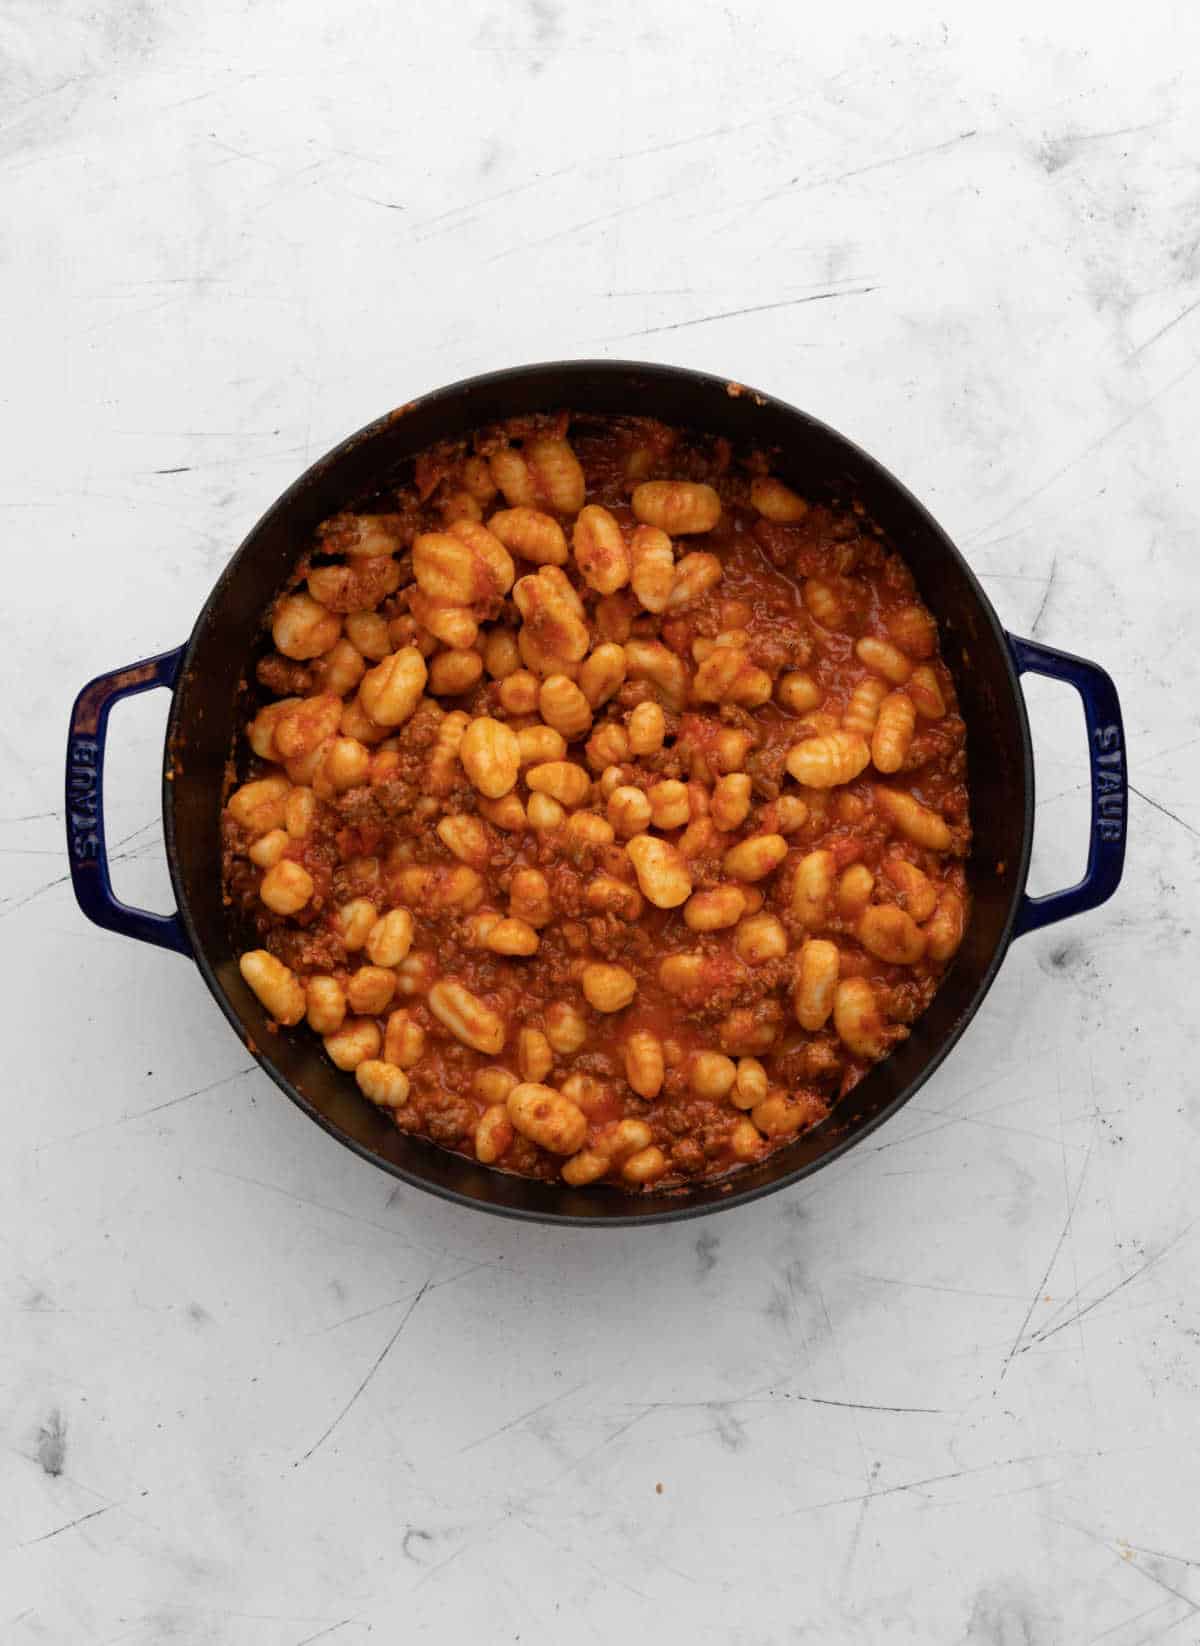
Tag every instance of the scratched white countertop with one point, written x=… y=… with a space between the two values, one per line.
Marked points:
x=251 y=1390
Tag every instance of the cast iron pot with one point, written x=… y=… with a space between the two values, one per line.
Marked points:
x=203 y=674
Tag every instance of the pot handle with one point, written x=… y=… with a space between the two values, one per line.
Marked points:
x=1110 y=788
x=86 y=845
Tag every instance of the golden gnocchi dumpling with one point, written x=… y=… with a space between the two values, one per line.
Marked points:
x=825 y=762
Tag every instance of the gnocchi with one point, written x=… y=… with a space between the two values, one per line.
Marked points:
x=603 y=807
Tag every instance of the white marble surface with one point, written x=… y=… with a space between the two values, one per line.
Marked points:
x=251 y=1391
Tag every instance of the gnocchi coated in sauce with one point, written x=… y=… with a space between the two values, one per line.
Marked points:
x=604 y=804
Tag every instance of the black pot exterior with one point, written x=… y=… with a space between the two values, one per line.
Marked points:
x=814 y=459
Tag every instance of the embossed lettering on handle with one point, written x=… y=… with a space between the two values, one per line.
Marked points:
x=83 y=799
x=85 y=804
x=1110 y=784
x=1109 y=781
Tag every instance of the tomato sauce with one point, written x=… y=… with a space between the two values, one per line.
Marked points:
x=797 y=596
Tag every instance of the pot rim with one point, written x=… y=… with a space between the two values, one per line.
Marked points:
x=723 y=1193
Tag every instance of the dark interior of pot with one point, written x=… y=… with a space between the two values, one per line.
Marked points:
x=812 y=458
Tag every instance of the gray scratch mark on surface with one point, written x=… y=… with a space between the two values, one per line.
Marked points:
x=573 y=1553
x=1161 y=754
x=371 y=199
x=1150 y=1263
x=808 y=1400
x=588 y=223
x=363 y=1314
x=394 y=1230
x=114 y=851
x=1117 y=131
x=1131 y=1565
x=523 y=1417
x=39 y=891
x=305 y=1200
x=732 y=314
x=927 y=1480
x=855 y=1540
x=393 y=1302
x=953 y=1118
x=771 y=1397
x=913 y=1137
x=378 y=1362
x=899 y=159
x=684 y=142
x=856 y=171
x=577 y=1463
x=1159 y=807
x=990 y=1125
x=995 y=1497
x=1049 y=799
x=1046 y=593
x=11 y=908
x=779 y=112
x=930 y=1286
x=156 y=1108
x=199 y=1091
x=1160 y=1554
x=1160 y=1583
x=212 y=91
x=204 y=434
x=1088 y=451
x=1128 y=1623
x=289 y=173
x=1060 y=151
x=323 y=1634
x=868 y=1471
x=1041 y=1287
x=1008 y=576
x=467 y=210
x=40 y=97
x=1163 y=330
x=867 y=1406
x=749 y=1398
x=59 y=1530
x=456 y=1554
